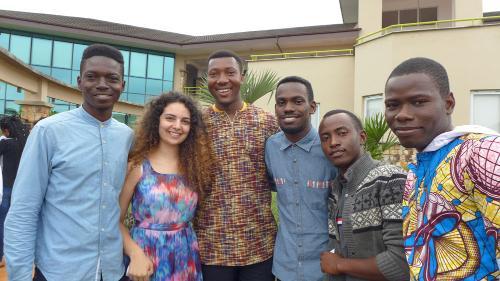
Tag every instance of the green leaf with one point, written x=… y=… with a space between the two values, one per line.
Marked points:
x=379 y=137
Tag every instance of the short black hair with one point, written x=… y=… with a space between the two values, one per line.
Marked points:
x=297 y=79
x=227 y=54
x=427 y=66
x=104 y=51
x=355 y=119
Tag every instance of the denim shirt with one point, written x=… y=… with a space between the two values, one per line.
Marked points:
x=65 y=213
x=302 y=176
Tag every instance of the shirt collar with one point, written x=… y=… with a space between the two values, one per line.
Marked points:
x=361 y=164
x=305 y=143
x=446 y=137
x=91 y=119
x=214 y=107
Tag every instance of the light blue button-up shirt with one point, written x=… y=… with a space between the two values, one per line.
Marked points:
x=65 y=213
x=302 y=176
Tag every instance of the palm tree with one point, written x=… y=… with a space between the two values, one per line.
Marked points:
x=255 y=86
x=379 y=137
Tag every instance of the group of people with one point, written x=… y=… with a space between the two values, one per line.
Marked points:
x=199 y=185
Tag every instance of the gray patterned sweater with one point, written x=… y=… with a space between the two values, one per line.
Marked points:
x=372 y=192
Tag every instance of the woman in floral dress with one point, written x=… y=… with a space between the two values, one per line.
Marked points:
x=169 y=167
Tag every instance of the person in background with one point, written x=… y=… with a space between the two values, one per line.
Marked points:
x=64 y=216
x=14 y=135
x=451 y=203
x=302 y=176
x=365 y=206
x=169 y=168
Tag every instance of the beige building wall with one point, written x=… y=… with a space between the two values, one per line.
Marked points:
x=369 y=16
x=470 y=56
x=332 y=79
x=463 y=9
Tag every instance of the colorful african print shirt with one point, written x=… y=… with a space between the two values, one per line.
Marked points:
x=451 y=211
x=234 y=224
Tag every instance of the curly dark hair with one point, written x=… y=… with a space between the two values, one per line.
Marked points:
x=16 y=127
x=195 y=154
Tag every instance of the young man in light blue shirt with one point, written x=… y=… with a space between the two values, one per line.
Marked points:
x=64 y=213
x=302 y=176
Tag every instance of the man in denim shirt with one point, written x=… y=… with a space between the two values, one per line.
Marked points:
x=64 y=213
x=302 y=176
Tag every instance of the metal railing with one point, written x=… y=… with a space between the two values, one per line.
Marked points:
x=423 y=25
x=307 y=54
x=192 y=90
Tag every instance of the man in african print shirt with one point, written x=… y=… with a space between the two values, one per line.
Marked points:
x=451 y=203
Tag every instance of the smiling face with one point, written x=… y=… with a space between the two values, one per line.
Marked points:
x=224 y=81
x=101 y=83
x=415 y=110
x=341 y=141
x=294 y=110
x=175 y=123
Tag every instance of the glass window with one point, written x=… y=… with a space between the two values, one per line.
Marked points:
x=63 y=75
x=14 y=93
x=486 y=109
x=11 y=107
x=3 y=85
x=20 y=47
x=155 y=66
x=41 y=52
x=373 y=105
x=428 y=14
x=408 y=16
x=138 y=64
x=126 y=60
x=136 y=98
x=2 y=106
x=168 y=71
x=62 y=54
x=153 y=87
x=136 y=85
x=77 y=55
x=4 y=42
x=43 y=69
x=167 y=86
x=389 y=18
x=124 y=96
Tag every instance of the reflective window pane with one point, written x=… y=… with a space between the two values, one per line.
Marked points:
x=168 y=71
x=12 y=93
x=11 y=108
x=43 y=69
x=138 y=64
x=3 y=86
x=136 y=98
x=136 y=85
x=20 y=47
x=167 y=86
x=126 y=60
x=4 y=41
x=63 y=75
x=153 y=87
x=62 y=54
x=41 y=52
x=77 y=55
x=124 y=96
x=486 y=110
x=373 y=105
x=155 y=66
x=2 y=106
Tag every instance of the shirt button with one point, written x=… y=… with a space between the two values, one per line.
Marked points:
x=295 y=182
x=105 y=163
x=103 y=141
x=102 y=229
x=294 y=160
x=104 y=206
x=300 y=263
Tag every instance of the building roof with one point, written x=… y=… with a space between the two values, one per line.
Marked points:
x=86 y=24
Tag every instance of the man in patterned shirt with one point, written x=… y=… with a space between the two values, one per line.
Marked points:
x=451 y=203
x=235 y=226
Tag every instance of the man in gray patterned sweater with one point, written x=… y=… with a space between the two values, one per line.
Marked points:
x=365 y=220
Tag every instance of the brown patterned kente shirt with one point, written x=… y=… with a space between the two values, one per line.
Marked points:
x=234 y=224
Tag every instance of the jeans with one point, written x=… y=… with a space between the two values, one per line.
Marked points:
x=261 y=271
x=4 y=208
